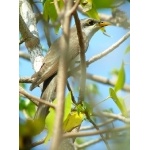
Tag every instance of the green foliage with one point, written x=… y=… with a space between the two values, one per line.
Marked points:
x=68 y=103
x=110 y=110
x=91 y=91
x=28 y=128
x=103 y=3
x=74 y=119
x=84 y=107
x=27 y=131
x=121 y=79
x=50 y=13
x=80 y=141
x=87 y=107
x=115 y=72
x=50 y=119
x=49 y=122
x=93 y=88
x=127 y=50
x=89 y=9
x=27 y=106
x=119 y=101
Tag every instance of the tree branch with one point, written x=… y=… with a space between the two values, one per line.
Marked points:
x=95 y=126
x=73 y=9
x=34 y=99
x=98 y=125
x=37 y=143
x=91 y=142
x=118 y=18
x=81 y=134
x=30 y=40
x=62 y=78
x=72 y=97
x=102 y=54
x=105 y=80
x=25 y=80
x=82 y=59
x=110 y=49
x=27 y=27
x=116 y=116
x=86 y=144
x=24 y=55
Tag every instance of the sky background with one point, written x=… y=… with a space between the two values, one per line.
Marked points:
x=102 y=67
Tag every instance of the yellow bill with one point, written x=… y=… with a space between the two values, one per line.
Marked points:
x=103 y=24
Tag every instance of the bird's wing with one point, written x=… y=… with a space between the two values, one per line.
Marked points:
x=50 y=62
x=49 y=67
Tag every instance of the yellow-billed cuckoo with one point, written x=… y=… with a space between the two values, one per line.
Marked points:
x=50 y=63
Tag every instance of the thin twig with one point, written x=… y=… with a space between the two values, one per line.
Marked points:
x=24 y=55
x=103 y=138
x=72 y=10
x=21 y=41
x=81 y=134
x=105 y=80
x=116 y=116
x=72 y=97
x=110 y=49
x=82 y=58
x=34 y=99
x=37 y=143
x=98 y=125
x=86 y=144
x=104 y=53
x=25 y=80
x=91 y=142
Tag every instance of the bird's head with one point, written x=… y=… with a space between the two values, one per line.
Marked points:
x=91 y=26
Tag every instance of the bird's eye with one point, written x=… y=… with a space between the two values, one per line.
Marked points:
x=91 y=22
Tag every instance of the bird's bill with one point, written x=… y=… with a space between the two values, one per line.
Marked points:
x=104 y=23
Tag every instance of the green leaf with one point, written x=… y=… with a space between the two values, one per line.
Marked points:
x=87 y=107
x=113 y=96
x=103 y=3
x=84 y=107
x=73 y=120
x=49 y=122
x=119 y=102
x=49 y=11
x=123 y=107
x=23 y=85
x=31 y=109
x=121 y=79
x=92 y=88
x=109 y=110
x=22 y=103
x=89 y=9
x=68 y=103
x=27 y=106
x=114 y=72
x=50 y=119
x=127 y=50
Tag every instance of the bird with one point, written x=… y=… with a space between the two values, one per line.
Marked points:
x=49 y=68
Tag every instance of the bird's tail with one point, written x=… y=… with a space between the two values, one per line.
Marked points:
x=48 y=94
